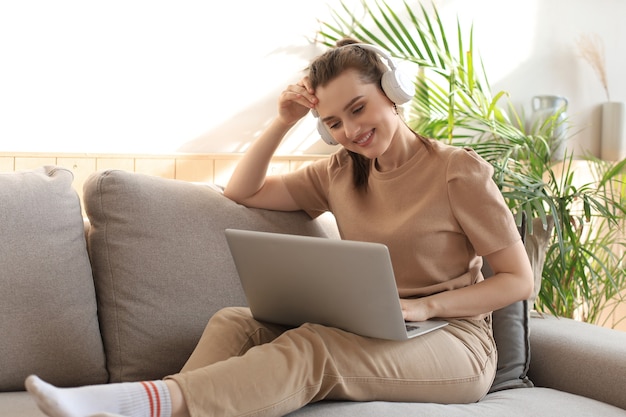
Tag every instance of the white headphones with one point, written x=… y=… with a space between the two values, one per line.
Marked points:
x=396 y=86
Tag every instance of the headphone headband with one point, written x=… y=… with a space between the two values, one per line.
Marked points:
x=375 y=48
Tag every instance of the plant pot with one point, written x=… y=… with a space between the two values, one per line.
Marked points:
x=613 y=138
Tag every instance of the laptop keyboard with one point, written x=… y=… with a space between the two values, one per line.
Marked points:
x=411 y=327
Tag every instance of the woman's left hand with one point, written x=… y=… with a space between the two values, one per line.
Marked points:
x=415 y=309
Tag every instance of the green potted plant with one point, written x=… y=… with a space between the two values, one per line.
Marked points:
x=454 y=103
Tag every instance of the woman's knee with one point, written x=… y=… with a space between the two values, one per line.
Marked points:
x=240 y=322
x=231 y=314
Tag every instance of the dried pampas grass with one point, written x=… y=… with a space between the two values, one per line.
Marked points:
x=591 y=49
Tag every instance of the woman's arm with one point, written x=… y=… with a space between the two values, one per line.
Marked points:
x=512 y=281
x=249 y=184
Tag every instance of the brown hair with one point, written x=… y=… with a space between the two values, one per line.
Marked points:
x=330 y=65
x=333 y=63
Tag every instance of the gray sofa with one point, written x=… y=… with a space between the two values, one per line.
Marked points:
x=130 y=301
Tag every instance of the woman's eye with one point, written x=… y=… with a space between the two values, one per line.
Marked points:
x=337 y=124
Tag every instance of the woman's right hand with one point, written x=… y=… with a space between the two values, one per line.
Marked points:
x=296 y=101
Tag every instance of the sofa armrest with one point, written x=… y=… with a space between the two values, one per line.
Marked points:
x=579 y=358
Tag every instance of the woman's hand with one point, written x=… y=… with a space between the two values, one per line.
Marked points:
x=296 y=101
x=415 y=309
x=512 y=281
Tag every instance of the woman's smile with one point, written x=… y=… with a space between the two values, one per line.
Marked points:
x=364 y=139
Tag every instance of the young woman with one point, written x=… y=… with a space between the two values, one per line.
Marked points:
x=435 y=207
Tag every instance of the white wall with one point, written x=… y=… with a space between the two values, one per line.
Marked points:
x=140 y=76
x=530 y=48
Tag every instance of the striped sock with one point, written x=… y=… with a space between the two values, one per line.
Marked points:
x=130 y=399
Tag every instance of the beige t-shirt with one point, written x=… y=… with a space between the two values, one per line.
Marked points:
x=438 y=213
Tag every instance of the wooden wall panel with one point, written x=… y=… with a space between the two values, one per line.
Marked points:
x=195 y=170
x=81 y=168
x=32 y=162
x=7 y=164
x=224 y=168
x=122 y=163
x=161 y=167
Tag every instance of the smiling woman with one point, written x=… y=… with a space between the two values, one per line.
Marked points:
x=418 y=199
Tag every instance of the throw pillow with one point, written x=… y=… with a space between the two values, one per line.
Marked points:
x=162 y=266
x=511 y=333
x=48 y=320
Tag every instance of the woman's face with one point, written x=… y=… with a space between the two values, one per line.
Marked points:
x=358 y=115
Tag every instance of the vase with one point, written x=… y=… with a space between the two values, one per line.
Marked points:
x=536 y=245
x=613 y=136
x=549 y=118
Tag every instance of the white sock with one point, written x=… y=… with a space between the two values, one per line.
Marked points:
x=130 y=399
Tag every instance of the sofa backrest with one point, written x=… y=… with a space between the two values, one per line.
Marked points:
x=48 y=321
x=162 y=267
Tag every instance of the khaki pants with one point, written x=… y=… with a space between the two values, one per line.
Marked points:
x=245 y=367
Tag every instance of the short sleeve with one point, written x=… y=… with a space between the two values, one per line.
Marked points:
x=478 y=204
x=309 y=187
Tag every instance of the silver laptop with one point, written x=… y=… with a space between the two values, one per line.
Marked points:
x=291 y=280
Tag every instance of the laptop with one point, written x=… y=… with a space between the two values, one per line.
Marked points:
x=292 y=280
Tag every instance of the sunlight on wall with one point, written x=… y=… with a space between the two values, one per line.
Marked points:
x=496 y=36
x=193 y=76
x=139 y=76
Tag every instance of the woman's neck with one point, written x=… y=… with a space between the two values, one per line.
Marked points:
x=402 y=148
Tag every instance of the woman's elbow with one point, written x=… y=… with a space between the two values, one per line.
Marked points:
x=236 y=195
x=526 y=283
x=228 y=193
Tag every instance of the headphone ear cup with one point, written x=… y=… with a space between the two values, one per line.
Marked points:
x=322 y=129
x=397 y=87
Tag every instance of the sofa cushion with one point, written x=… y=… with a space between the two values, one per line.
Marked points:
x=162 y=267
x=534 y=402
x=48 y=322
x=512 y=336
